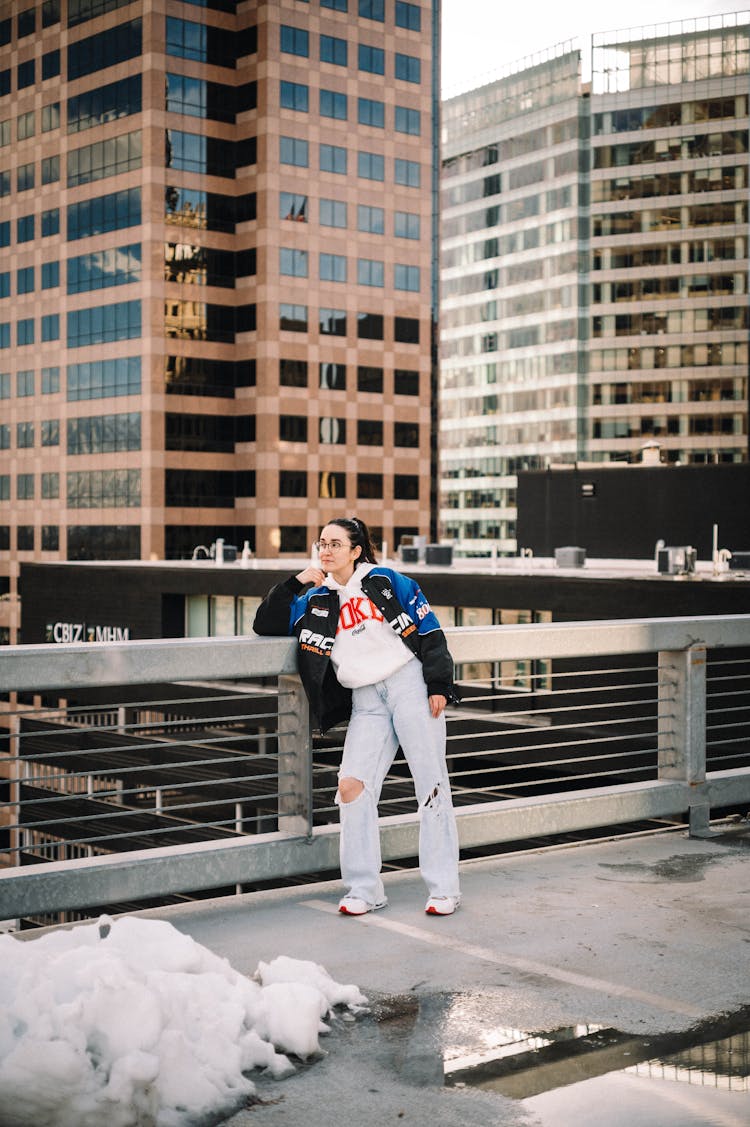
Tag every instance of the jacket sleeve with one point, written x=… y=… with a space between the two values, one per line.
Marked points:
x=437 y=663
x=274 y=615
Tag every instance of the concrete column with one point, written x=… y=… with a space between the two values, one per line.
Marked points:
x=682 y=727
x=295 y=758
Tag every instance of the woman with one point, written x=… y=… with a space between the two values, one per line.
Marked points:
x=371 y=649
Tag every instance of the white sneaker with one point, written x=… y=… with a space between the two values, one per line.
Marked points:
x=442 y=905
x=355 y=906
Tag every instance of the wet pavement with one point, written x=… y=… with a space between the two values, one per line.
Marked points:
x=602 y=984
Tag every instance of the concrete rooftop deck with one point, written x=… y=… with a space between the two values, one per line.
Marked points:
x=647 y=935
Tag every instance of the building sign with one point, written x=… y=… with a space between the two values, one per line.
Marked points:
x=84 y=632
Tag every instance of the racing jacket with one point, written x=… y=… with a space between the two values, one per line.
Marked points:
x=312 y=615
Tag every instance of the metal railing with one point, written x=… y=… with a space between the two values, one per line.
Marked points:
x=150 y=770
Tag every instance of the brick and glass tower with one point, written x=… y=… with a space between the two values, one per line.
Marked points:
x=218 y=253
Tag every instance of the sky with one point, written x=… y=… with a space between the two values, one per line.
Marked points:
x=130 y=1023
x=480 y=37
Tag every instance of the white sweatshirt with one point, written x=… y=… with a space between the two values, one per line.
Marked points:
x=366 y=648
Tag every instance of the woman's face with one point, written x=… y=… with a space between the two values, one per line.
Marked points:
x=336 y=552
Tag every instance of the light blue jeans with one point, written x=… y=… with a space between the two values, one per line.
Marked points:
x=392 y=712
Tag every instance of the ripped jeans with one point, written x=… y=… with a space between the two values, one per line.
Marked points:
x=392 y=712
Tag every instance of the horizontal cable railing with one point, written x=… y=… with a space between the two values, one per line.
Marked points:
x=197 y=753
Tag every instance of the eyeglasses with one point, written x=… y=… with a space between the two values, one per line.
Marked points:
x=331 y=545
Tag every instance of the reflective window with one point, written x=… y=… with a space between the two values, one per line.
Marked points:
x=408 y=68
x=372 y=9
x=332 y=268
x=332 y=213
x=333 y=50
x=406 y=381
x=25 y=331
x=293 y=318
x=106 y=49
x=370 y=326
x=50 y=381
x=24 y=435
x=50 y=170
x=407 y=120
x=293 y=483
x=24 y=383
x=371 y=166
x=369 y=379
x=292 y=373
x=26 y=74
x=50 y=117
x=406 y=277
x=370 y=272
x=102 y=323
x=370 y=485
x=332 y=432
x=25 y=177
x=51 y=326
x=294 y=96
x=25 y=280
x=50 y=222
x=104 y=213
x=293 y=206
x=293 y=262
x=96 y=107
x=98 y=270
x=50 y=64
x=333 y=104
x=104 y=434
x=406 y=434
x=371 y=219
x=51 y=432
x=293 y=150
x=104 y=542
x=25 y=127
x=100 y=379
x=407 y=172
x=293 y=428
x=111 y=157
x=408 y=16
x=50 y=485
x=97 y=489
x=405 y=487
x=332 y=376
x=332 y=322
x=371 y=59
x=406 y=225
x=295 y=41
x=371 y=112
x=333 y=159
x=369 y=432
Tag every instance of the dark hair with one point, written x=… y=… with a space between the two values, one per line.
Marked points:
x=359 y=534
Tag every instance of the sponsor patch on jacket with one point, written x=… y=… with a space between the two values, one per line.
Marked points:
x=320 y=611
x=318 y=643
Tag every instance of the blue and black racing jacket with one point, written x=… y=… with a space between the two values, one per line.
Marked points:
x=312 y=614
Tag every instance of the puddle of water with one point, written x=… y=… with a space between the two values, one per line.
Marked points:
x=586 y=1076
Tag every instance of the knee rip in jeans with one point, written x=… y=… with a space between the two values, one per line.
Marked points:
x=349 y=790
x=434 y=799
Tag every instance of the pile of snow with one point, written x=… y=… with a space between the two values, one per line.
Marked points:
x=133 y=1024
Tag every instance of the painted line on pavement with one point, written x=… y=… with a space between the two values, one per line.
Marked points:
x=527 y=966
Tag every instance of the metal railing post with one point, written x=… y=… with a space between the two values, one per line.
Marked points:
x=682 y=728
x=295 y=758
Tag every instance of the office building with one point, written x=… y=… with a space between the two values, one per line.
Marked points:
x=594 y=265
x=217 y=275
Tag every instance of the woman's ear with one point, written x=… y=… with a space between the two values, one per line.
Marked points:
x=358 y=549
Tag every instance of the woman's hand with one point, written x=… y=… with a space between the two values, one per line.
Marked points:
x=312 y=575
x=437 y=704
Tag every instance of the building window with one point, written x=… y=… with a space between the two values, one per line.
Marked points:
x=333 y=159
x=294 y=96
x=118 y=155
x=369 y=379
x=50 y=170
x=25 y=228
x=333 y=50
x=50 y=538
x=406 y=277
x=406 y=225
x=104 y=542
x=98 y=489
x=50 y=64
x=332 y=432
x=406 y=330
x=4 y=436
x=100 y=324
x=51 y=326
x=24 y=384
x=371 y=59
x=293 y=483
x=50 y=486
x=333 y=104
x=332 y=268
x=123 y=98
x=371 y=166
x=407 y=172
x=293 y=150
x=24 y=436
x=293 y=428
x=5 y=487
x=295 y=41
x=112 y=212
x=405 y=487
x=370 y=485
x=370 y=272
x=50 y=117
x=293 y=318
x=25 y=537
x=408 y=68
x=332 y=213
x=4 y=385
x=370 y=326
x=26 y=22
x=25 y=331
x=293 y=538
x=50 y=222
x=293 y=263
x=102 y=269
x=369 y=432
x=371 y=112
x=25 y=177
x=332 y=322
x=99 y=379
x=4 y=183
x=104 y=434
x=371 y=219
x=50 y=381
x=408 y=16
x=332 y=376
x=26 y=74
x=331 y=484
x=405 y=381
x=372 y=10
x=406 y=434
x=25 y=280
x=293 y=206
x=51 y=432
x=336 y=5
x=407 y=121
x=292 y=373
x=116 y=45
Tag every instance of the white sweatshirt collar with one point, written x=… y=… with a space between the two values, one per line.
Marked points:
x=354 y=583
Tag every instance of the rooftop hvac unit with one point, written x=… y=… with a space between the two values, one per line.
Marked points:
x=676 y=561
